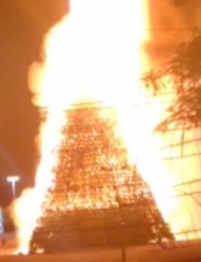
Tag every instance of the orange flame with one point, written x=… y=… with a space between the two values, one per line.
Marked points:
x=96 y=52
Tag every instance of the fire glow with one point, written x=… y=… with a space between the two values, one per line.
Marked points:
x=96 y=52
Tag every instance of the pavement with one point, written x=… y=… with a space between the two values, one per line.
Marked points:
x=134 y=254
x=190 y=252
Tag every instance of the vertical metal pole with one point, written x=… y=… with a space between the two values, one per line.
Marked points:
x=13 y=180
x=123 y=253
x=13 y=188
x=123 y=245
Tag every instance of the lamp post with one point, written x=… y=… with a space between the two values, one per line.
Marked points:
x=13 y=180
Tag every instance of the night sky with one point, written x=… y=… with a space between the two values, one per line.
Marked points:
x=23 y=24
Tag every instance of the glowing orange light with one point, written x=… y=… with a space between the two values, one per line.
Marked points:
x=95 y=52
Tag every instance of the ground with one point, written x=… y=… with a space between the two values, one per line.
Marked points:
x=137 y=254
x=151 y=253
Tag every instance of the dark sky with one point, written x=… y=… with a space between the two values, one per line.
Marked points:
x=23 y=24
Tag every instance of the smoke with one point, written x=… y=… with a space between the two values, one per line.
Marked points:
x=170 y=25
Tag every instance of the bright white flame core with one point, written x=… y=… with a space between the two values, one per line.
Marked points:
x=92 y=53
x=95 y=53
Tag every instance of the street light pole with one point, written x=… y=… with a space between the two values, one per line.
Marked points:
x=13 y=180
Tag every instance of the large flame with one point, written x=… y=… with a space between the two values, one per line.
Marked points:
x=96 y=52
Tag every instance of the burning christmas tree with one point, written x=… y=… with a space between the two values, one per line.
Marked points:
x=99 y=199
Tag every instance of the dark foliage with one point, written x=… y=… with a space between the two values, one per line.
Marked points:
x=183 y=71
x=8 y=222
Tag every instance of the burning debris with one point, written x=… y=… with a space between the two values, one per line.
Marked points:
x=98 y=198
x=95 y=52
